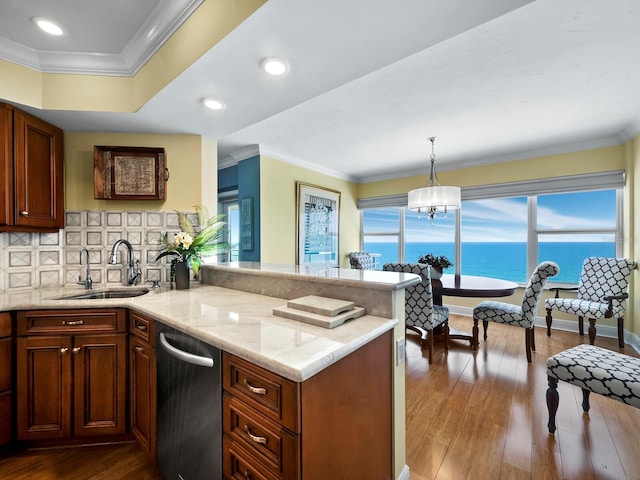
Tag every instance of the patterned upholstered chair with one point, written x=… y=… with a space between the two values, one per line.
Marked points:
x=601 y=293
x=361 y=261
x=421 y=315
x=517 y=315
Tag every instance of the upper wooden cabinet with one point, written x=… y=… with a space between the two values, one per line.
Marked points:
x=31 y=173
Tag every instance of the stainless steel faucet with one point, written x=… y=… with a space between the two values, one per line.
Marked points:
x=87 y=282
x=133 y=272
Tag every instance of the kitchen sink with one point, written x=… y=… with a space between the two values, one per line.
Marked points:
x=106 y=294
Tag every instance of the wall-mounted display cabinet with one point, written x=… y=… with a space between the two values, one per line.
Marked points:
x=129 y=173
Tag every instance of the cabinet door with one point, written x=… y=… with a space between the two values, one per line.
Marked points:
x=6 y=379
x=39 y=180
x=44 y=371
x=6 y=165
x=99 y=384
x=142 y=377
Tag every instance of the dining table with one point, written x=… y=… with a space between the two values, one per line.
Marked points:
x=470 y=286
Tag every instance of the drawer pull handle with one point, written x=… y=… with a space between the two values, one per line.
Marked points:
x=256 y=390
x=24 y=213
x=76 y=349
x=64 y=349
x=247 y=475
x=141 y=327
x=139 y=348
x=262 y=440
x=73 y=322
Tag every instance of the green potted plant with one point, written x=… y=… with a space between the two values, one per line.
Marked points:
x=438 y=263
x=189 y=246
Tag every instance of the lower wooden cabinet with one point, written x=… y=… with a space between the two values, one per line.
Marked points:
x=6 y=379
x=70 y=384
x=142 y=382
x=336 y=424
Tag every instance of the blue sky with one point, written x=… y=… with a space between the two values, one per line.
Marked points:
x=505 y=219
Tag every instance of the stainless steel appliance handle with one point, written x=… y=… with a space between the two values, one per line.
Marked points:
x=185 y=356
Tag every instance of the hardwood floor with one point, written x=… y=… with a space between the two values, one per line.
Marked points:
x=484 y=416
x=100 y=462
x=469 y=416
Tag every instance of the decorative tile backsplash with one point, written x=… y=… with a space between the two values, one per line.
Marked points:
x=53 y=259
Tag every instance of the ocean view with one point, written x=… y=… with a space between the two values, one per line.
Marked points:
x=500 y=259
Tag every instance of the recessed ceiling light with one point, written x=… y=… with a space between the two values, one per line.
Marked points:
x=213 y=104
x=275 y=66
x=48 y=26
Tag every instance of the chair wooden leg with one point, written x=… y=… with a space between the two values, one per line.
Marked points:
x=621 y=332
x=430 y=336
x=475 y=341
x=585 y=400
x=581 y=325
x=527 y=344
x=485 y=326
x=553 y=400
x=533 y=339
x=445 y=330
x=549 y=320
x=592 y=331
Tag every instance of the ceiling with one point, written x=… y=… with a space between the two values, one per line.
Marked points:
x=370 y=80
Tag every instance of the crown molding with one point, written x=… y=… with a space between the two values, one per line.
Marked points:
x=163 y=22
x=246 y=152
x=241 y=154
x=226 y=162
x=309 y=166
x=631 y=130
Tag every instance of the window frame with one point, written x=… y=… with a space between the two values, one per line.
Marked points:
x=530 y=189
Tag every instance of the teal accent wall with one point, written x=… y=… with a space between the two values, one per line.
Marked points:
x=228 y=179
x=249 y=186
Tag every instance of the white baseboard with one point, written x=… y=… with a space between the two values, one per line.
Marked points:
x=630 y=338
x=404 y=475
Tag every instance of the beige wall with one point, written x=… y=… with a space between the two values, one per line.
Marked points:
x=278 y=210
x=588 y=161
x=192 y=163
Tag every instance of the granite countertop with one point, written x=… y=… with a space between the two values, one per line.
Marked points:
x=238 y=322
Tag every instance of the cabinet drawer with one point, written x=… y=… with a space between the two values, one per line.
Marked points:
x=270 y=394
x=47 y=322
x=5 y=324
x=143 y=328
x=275 y=447
x=237 y=464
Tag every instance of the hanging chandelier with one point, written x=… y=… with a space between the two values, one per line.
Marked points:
x=434 y=198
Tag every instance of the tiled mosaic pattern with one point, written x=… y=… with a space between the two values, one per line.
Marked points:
x=29 y=260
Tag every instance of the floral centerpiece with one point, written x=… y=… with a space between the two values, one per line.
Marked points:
x=189 y=246
x=438 y=263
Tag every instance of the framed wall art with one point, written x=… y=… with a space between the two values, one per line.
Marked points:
x=246 y=223
x=317 y=225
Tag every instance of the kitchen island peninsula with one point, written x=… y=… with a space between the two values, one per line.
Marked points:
x=299 y=401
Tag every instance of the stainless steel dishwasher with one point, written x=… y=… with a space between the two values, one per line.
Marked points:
x=189 y=407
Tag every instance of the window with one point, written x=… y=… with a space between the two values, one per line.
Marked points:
x=423 y=236
x=494 y=238
x=231 y=231
x=573 y=226
x=381 y=235
x=506 y=230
